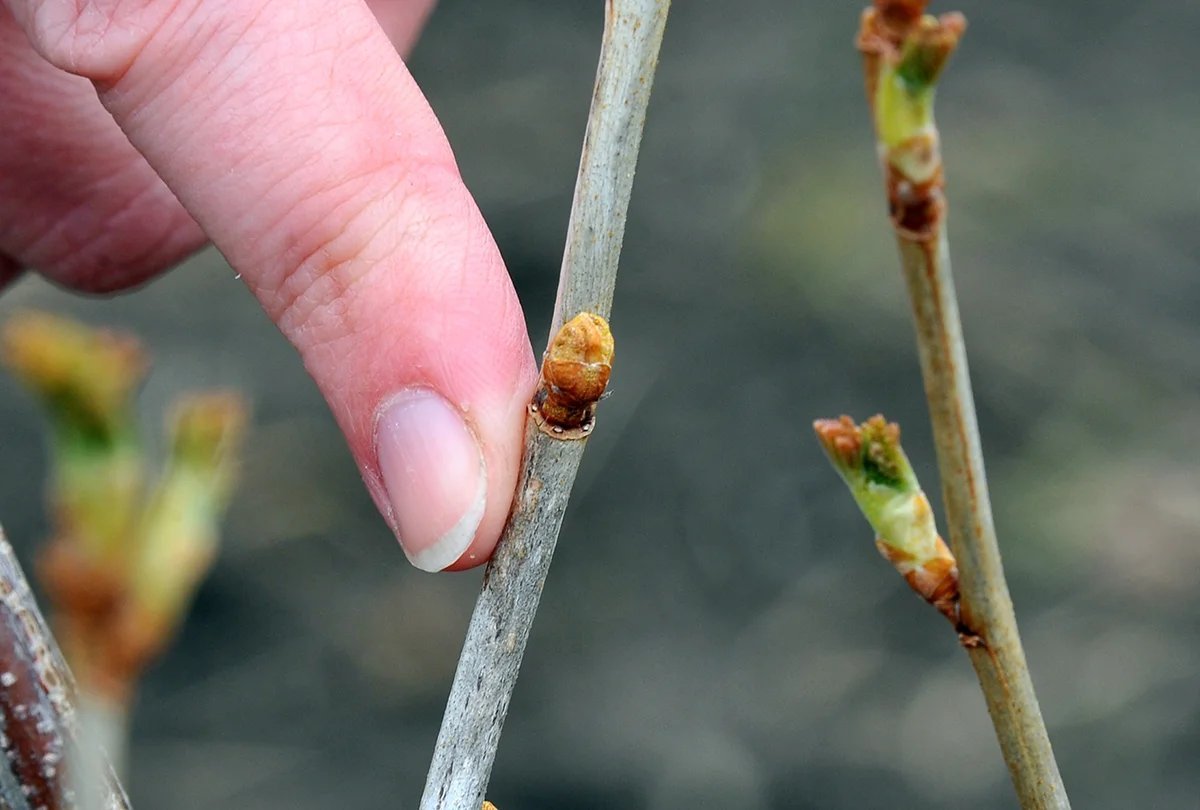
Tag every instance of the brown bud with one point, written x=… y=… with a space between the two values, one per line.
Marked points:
x=935 y=580
x=901 y=13
x=841 y=438
x=575 y=373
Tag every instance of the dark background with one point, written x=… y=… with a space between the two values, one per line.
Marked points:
x=718 y=631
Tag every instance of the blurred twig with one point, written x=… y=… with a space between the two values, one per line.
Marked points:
x=499 y=628
x=904 y=52
x=44 y=764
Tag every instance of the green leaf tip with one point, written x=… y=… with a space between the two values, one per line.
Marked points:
x=927 y=48
x=180 y=527
x=867 y=453
x=905 y=53
x=86 y=380
x=205 y=429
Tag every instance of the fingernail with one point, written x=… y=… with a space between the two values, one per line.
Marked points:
x=434 y=474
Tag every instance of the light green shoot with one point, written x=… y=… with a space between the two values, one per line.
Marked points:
x=871 y=461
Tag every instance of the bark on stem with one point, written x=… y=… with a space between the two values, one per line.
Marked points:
x=44 y=764
x=904 y=52
x=986 y=608
x=512 y=585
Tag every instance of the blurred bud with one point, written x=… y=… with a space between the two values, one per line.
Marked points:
x=178 y=537
x=86 y=380
x=121 y=568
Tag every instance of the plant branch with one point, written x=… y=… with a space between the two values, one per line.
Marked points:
x=44 y=763
x=579 y=354
x=904 y=52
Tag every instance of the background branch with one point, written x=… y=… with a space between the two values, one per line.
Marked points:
x=499 y=627
x=905 y=51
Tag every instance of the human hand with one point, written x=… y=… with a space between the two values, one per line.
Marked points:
x=292 y=136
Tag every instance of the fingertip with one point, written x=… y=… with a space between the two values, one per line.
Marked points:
x=445 y=483
x=434 y=472
x=504 y=470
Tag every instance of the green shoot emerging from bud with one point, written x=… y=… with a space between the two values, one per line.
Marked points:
x=904 y=51
x=871 y=462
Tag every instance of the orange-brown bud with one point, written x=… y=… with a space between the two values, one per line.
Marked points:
x=900 y=15
x=935 y=580
x=841 y=438
x=575 y=373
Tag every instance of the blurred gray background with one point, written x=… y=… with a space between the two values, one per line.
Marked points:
x=718 y=631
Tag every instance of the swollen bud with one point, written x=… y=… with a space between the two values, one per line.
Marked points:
x=871 y=462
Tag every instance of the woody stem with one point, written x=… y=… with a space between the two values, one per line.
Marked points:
x=504 y=613
x=903 y=63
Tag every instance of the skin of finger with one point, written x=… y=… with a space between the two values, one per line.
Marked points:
x=10 y=270
x=77 y=201
x=372 y=327
x=294 y=134
x=402 y=20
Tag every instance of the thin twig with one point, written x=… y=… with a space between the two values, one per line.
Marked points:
x=905 y=51
x=986 y=608
x=44 y=765
x=499 y=628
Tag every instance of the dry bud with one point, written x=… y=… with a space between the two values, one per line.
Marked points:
x=575 y=373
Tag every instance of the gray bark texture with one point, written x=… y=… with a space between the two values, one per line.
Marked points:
x=495 y=643
x=987 y=609
x=43 y=765
x=633 y=31
x=499 y=628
